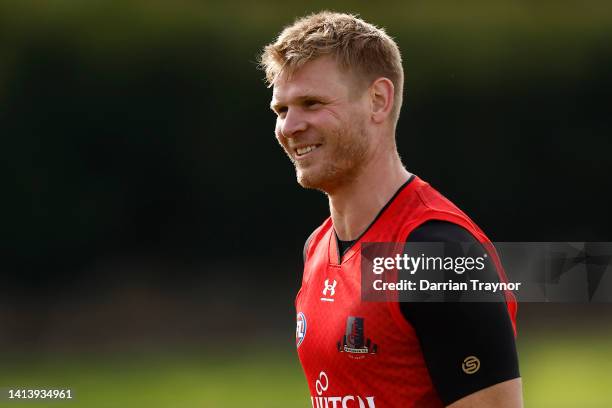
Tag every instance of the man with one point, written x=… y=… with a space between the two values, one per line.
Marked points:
x=337 y=92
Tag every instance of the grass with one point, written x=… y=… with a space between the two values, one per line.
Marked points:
x=557 y=372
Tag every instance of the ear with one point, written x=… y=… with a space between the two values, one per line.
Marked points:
x=381 y=99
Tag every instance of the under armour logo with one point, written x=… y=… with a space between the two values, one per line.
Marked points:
x=331 y=288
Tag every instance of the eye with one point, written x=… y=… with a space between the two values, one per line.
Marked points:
x=311 y=103
x=281 y=111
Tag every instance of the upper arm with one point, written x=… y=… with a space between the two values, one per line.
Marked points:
x=452 y=331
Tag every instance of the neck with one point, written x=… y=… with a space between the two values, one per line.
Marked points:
x=353 y=206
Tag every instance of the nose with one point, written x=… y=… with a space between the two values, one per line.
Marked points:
x=292 y=124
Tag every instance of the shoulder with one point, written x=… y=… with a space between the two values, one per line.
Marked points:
x=307 y=244
x=315 y=236
x=440 y=231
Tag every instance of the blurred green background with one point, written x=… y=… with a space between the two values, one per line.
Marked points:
x=153 y=229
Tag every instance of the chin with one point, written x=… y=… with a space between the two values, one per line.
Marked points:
x=305 y=181
x=308 y=179
x=315 y=181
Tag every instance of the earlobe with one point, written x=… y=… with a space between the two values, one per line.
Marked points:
x=381 y=97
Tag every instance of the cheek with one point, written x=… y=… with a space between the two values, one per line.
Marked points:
x=332 y=120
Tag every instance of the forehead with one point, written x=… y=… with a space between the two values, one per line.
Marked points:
x=320 y=77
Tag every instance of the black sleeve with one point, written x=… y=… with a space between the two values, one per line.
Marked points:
x=451 y=332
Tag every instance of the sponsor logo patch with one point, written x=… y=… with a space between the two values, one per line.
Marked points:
x=323 y=401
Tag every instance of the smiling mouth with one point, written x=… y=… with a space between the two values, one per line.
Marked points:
x=303 y=151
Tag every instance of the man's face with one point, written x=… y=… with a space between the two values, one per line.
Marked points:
x=321 y=124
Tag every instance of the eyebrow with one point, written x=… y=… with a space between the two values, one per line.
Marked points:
x=275 y=105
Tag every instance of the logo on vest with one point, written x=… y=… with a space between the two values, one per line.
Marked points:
x=354 y=341
x=347 y=401
x=329 y=290
x=300 y=329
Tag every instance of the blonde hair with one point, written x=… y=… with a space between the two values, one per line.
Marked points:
x=358 y=47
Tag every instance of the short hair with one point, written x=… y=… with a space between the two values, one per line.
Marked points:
x=357 y=46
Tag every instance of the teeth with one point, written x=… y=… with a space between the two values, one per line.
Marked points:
x=307 y=149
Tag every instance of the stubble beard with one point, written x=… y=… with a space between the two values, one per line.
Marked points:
x=346 y=156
